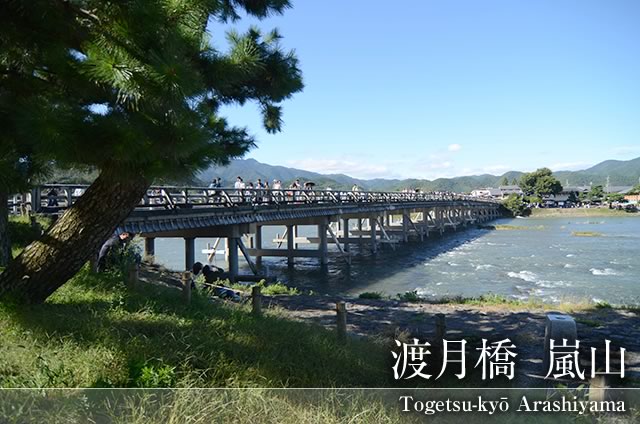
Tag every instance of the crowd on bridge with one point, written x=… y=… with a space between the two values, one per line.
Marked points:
x=57 y=197
x=261 y=191
x=240 y=184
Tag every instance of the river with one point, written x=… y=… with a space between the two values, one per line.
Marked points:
x=540 y=257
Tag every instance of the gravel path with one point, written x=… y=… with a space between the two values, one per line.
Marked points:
x=525 y=328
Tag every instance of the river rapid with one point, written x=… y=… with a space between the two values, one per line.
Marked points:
x=552 y=259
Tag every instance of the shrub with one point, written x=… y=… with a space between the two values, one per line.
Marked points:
x=278 y=288
x=152 y=375
x=516 y=205
x=371 y=295
x=410 y=296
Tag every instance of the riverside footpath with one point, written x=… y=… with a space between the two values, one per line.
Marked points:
x=525 y=327
x=385 y=320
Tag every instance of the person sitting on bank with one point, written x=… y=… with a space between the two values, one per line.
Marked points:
x=213 y=277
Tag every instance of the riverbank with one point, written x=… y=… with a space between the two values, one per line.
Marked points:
x=578 y=212
x=94 y=332
x=383 y=320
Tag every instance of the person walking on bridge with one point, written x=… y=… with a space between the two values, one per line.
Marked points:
x=215 y=194
x=277 y=186
x=239 y=186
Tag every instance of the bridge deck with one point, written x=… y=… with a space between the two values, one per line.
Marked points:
x=192 y=212
x=174 y=209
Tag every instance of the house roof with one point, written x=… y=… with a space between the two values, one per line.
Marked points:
x=575 y=189
x=617 y=189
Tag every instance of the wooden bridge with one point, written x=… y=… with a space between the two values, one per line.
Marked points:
x=342 y=218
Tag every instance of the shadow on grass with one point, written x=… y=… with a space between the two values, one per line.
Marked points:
x=204 y=344
x=149 y=338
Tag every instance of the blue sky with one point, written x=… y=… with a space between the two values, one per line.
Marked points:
x=445 y=88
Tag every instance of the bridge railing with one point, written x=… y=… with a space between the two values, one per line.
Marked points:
x=54 y=198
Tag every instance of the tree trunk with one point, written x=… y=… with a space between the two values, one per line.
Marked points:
x=5 y=242
x=58 y=255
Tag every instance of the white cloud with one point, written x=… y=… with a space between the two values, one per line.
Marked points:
x=492 y=169
x=357 y=169
x=439 y=165
x=569 y=166
x=623 y=150
x=454 y=147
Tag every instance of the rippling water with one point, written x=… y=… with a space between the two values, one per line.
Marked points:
x=546 y=261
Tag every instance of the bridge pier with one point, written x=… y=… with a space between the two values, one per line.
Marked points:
x=257 y=244
x=323 y=246
x=406 y=217
x=232 y=247
x=189 y=252
x=345 y=234
x=374 y=235
x=149 y=248
x=290 y=244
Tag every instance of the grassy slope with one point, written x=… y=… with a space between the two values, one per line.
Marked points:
x=92 y=333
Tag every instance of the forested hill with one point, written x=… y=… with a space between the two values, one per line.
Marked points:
x=619 y=173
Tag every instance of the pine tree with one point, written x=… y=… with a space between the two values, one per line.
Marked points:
x=133 y=90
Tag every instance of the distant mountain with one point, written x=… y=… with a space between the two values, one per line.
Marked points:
x=620 y=173
x=251 y=170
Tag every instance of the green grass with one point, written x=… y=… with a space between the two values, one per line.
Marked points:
x=603 y=305
x=274 y=289
x=21 y=233
x=493 y=300
x=198 y=406
x=410 y=296
x=589 y=322
x=371 y=295
x=331 y=406
x=93 y=333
